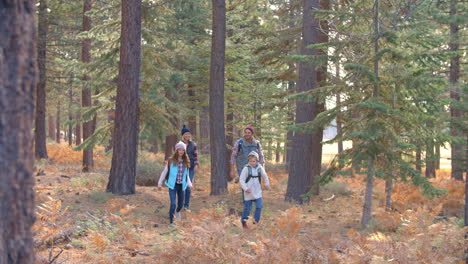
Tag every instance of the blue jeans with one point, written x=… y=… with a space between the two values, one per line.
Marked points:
x=188 y=191
x=180 y=200
x=248 y=208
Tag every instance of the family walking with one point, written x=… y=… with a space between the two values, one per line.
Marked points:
x=247 y=155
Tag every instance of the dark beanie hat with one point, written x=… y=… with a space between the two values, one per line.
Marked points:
x=251 y=128
x=184 y=130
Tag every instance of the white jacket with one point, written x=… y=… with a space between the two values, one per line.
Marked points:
x=254 y=184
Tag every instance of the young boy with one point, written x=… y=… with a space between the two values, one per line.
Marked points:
x=250 y=180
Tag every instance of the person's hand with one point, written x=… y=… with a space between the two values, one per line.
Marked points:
x=248 y=191
x=196 y=167
x=267 y=187
x=159 y=187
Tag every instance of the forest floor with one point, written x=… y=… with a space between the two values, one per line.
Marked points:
x=92 y=226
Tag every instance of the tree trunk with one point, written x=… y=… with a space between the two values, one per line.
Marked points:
x=338 y=104
x=278 y=152
x=40 y=145
x=388 y=191
x=123 y=169
x=430 y=158
x=154 y=145
x=193 y=115
x=466 y=188
x=258 y=119
x=171 y=140
x=291 y=90
x=367 y=210
x=57 y=124
x=319 y=107
x=290 y=134
x=270 y=149
x=455 y=91
x=229 y=137
x=418 y=159
x=301 y=169
x=110 y=119
x=51 y=127
x=86 y=92
x=437 y=157
x=78 y=129
x=18 y=78
x=70 y=114
x=204 y=139
x=217 y=139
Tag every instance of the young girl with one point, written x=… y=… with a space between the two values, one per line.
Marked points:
x=250 y=180
x=177 y=180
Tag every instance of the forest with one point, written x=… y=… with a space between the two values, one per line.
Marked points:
x=284 y=131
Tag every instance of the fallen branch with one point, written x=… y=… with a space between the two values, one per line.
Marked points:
x=56 y=256
x=62 y=235
x=329 y=199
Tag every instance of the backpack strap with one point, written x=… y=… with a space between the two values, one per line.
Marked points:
x=239 y=144
x=251 y=176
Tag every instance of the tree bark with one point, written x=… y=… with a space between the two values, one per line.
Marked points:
x=78 y=129
x=338 y=104
x=278 y=152
x=388 y=191
x=51 y=126
x=367 y=209
x=290 y=134
x=171 y=140
x=217 y=139
x=57 y=124
x=110 y=119
x=229 y=137
x=430 y=158
x=154 y=145
x=301 y=171
x=86 y=92
x=124 y=159
x=455 y=91
x=204 y=139
x=18 y=79
x=40 y=145
x=193 y=115
x=418 y=159
x=70 y=114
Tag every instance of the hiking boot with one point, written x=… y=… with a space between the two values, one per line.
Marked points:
x=244 y=225
x=178 y=216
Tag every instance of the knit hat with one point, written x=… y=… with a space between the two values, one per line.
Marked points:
x=184 y=130
x=180 y=145
x=251 y=128
x=254 y=154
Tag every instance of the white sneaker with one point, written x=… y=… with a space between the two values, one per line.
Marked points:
x=178 y=216
x=171 y=225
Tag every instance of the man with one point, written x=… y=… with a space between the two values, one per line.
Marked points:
x=241 y=150
x=193 y=156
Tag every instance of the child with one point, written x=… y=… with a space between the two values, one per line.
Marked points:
x=250 y=180
x=175 y=176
